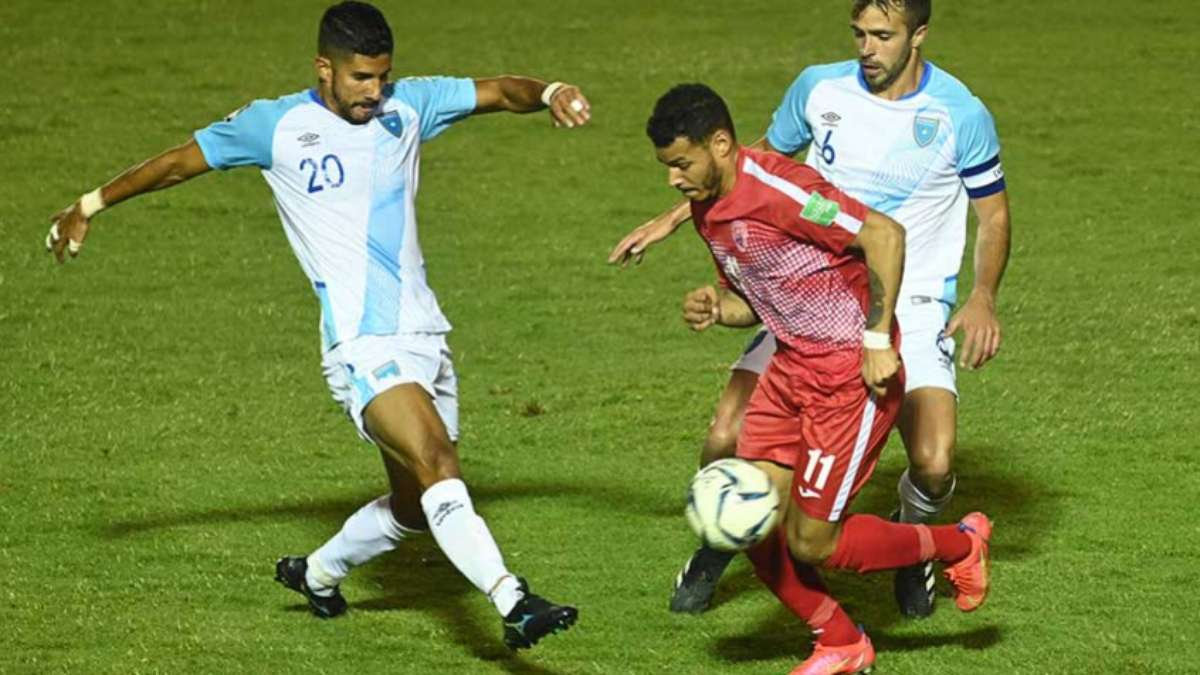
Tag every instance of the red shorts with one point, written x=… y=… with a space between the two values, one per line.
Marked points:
x=816 y=415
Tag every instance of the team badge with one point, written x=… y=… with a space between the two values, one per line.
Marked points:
x=741 y=234
x=925 y=129
x=387 y=370
x=391 y=122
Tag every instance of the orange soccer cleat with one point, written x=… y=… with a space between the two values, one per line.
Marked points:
x=858 y=657
x=970 y=575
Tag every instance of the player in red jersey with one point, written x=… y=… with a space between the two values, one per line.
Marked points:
x=821 y=271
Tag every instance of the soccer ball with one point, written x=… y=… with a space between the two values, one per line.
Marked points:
x=732 y=505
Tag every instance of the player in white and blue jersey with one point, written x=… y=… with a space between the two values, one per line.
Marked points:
x=342 y=163
x=907 y=139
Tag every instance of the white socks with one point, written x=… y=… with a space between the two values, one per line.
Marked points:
x=371 y=531
x=466 y=541
x=916 y=506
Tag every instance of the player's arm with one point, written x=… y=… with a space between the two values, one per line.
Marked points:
x=633 y=246
x=711 y=305
x=881 y=241
x=977 y=317
x=70 y=226
x=512 y=93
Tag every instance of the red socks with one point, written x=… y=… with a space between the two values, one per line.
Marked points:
x=799 y=587
x=870 y=544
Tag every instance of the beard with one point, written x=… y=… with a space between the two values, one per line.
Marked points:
x=890 y=75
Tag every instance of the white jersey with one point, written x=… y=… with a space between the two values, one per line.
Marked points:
x=919 y=159
x=345 y=194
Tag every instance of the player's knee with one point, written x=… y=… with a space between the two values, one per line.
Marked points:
x=435 y=462
x=810 y=550
x=811 y=545
x=931 y=467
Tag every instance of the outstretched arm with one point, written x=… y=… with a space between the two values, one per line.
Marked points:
x=70 y=226
x=881 y=240
x=977 y=318
x=512 y=93
x=633 y=246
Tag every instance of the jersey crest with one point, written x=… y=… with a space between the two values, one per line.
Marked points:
x=740 y=234
x=925 y=129
x=391 y=122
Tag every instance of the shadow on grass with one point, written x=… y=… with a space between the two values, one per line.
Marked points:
x=781 y=635
x=414 y=577
x=1025 y=512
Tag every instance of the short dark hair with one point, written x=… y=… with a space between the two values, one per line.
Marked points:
x=691 y=110
x=916 y=12
x=354 y=28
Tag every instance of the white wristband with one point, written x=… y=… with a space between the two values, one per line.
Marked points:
x=91 y=203
x=550 y=90
x=876 y=340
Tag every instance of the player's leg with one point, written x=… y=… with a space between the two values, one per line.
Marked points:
x=928 y=428
x=841 y=647
x=418 y=451
x=846 y=443
x=697 y=581
x=373 y=529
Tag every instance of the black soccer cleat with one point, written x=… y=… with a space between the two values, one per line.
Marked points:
x=914 y=587
x=290 y=572
x=697 y=581
x=914 y=590
x=533 y=618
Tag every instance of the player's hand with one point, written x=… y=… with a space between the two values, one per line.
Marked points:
x=569 y=108
x=981 y=331
x=878 y=367
x=68 y=229
x=634 y=245
x=701 y=308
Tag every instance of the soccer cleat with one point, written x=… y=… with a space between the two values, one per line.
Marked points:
x=914 y=586
x=852 y=658
x=697 y=581
x=533 y=618
x=970 y=575
x=290 y=572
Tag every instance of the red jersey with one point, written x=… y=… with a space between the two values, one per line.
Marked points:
x=780 y=241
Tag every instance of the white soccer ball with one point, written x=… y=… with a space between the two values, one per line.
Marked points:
x=732 y=505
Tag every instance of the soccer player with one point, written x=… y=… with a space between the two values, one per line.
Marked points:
x=342 y=162
x=905 y=138
x=822 y=272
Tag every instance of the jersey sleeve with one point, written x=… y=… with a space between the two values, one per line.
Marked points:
x=243 y=138
x=978 y=151
x=812 y=209
x=789 y=131
x=439 y=101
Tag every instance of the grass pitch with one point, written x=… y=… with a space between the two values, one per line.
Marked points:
x=165 y=433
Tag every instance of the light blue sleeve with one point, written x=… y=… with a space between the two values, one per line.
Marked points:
x=789 y=131
x=439 y=101
x=976 y=140
x=245 y=137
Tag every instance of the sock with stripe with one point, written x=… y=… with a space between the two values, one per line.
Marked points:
x=870 y=544
x=800 y=588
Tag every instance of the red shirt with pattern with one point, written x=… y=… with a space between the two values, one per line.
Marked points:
x=779 y=239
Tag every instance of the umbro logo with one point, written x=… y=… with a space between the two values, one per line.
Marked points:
x=309 y=139
x=831 y=118
x=443 y=511
x=805 y=493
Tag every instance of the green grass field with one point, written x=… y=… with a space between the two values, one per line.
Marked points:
x=165 y=432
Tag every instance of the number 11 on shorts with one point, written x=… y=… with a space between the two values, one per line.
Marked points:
x=816 y=459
